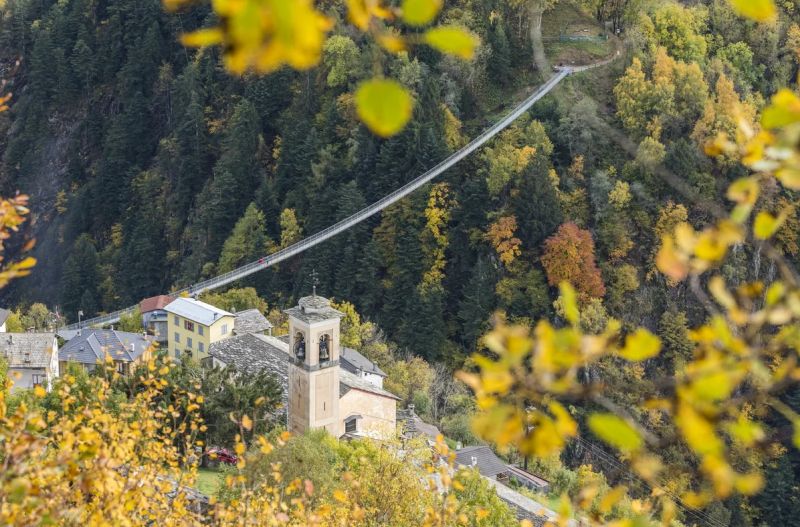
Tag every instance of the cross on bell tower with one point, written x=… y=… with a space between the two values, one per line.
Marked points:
x=314 y=282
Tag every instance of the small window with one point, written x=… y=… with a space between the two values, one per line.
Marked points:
x=121 y=367
x=200 y=330
x=38 y=379
x=177 y=354
x=351 y=426
x=224 y=329
x=188 y=325
x=201 y=347
x=177 y=337
x=188 y=342
x=177 y=320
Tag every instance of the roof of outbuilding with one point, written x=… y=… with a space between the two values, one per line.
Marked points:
x=4 y=315
x=250 y=321
x=155 y=303
x=27 y=350
x=350 y=357
x=349 y=381
x=486 y=461
x=92 y=345
x=196 y=310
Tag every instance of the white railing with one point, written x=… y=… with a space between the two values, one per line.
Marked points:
x=358 y=217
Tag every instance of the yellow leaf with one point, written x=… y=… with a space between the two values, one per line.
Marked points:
x=789 y=177
x=749 y=484
x=247 y=423
x=615 y=431
x=760 y=10
x=697 y=431
x=453 y=40
x=202 y=38
x=612 y=498
x=565 y=424
x=420 y=12
x=640 y=346
x=391 y=43
x=766 y=225
x=570 y=302
x=784 y=110
x=384 y=106
x=670 y=261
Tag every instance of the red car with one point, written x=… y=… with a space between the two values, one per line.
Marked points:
x=222 y=455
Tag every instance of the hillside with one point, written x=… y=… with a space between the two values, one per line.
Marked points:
x=150 y=166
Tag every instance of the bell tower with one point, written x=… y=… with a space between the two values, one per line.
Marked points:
x=314 y=365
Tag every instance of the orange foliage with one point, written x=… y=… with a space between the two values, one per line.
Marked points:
x=569 y=256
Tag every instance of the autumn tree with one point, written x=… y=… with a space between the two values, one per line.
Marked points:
x=569 y=256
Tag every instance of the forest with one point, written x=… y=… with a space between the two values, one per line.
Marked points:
x=152 y=164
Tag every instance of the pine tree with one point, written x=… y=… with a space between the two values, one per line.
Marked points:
x=80 y=280
x=477 y=303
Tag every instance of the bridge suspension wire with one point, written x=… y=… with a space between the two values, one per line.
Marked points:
x=341 y=226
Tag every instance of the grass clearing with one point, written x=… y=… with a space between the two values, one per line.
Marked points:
x=209 y=481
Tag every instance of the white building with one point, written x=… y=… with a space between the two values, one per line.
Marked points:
x=32 y=359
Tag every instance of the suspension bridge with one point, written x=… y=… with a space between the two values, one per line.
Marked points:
x=315 y=239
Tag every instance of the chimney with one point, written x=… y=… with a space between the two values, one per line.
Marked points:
x=411 y=408
x=474 y=460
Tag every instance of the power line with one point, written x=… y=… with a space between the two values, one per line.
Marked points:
x=606 y=457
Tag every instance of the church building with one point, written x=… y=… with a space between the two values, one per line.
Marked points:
x=321 y=389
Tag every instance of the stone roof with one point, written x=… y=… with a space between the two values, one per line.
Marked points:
x=312 y=309
x=27 y=350
x=414 y=426
x=251 y=353
x=250 y=321
x=353 y=361
x=154 y=303
x=486 y=461
x=196 y=311
x=4 y=313
x=92 y=345
x=349 y=381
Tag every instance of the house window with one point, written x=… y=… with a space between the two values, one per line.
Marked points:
x=200 y=330
x=201 y=347
x=177 y=354
x=38 y=379
x=121 y=367
x=177 y=337
x=224 y=329
x=188 y=325
x=351 y=426
x=177 y=320
x=188 y=342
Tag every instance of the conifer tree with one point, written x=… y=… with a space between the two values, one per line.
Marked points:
x=81 y=279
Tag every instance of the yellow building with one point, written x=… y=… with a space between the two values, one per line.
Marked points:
x=193 y=326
